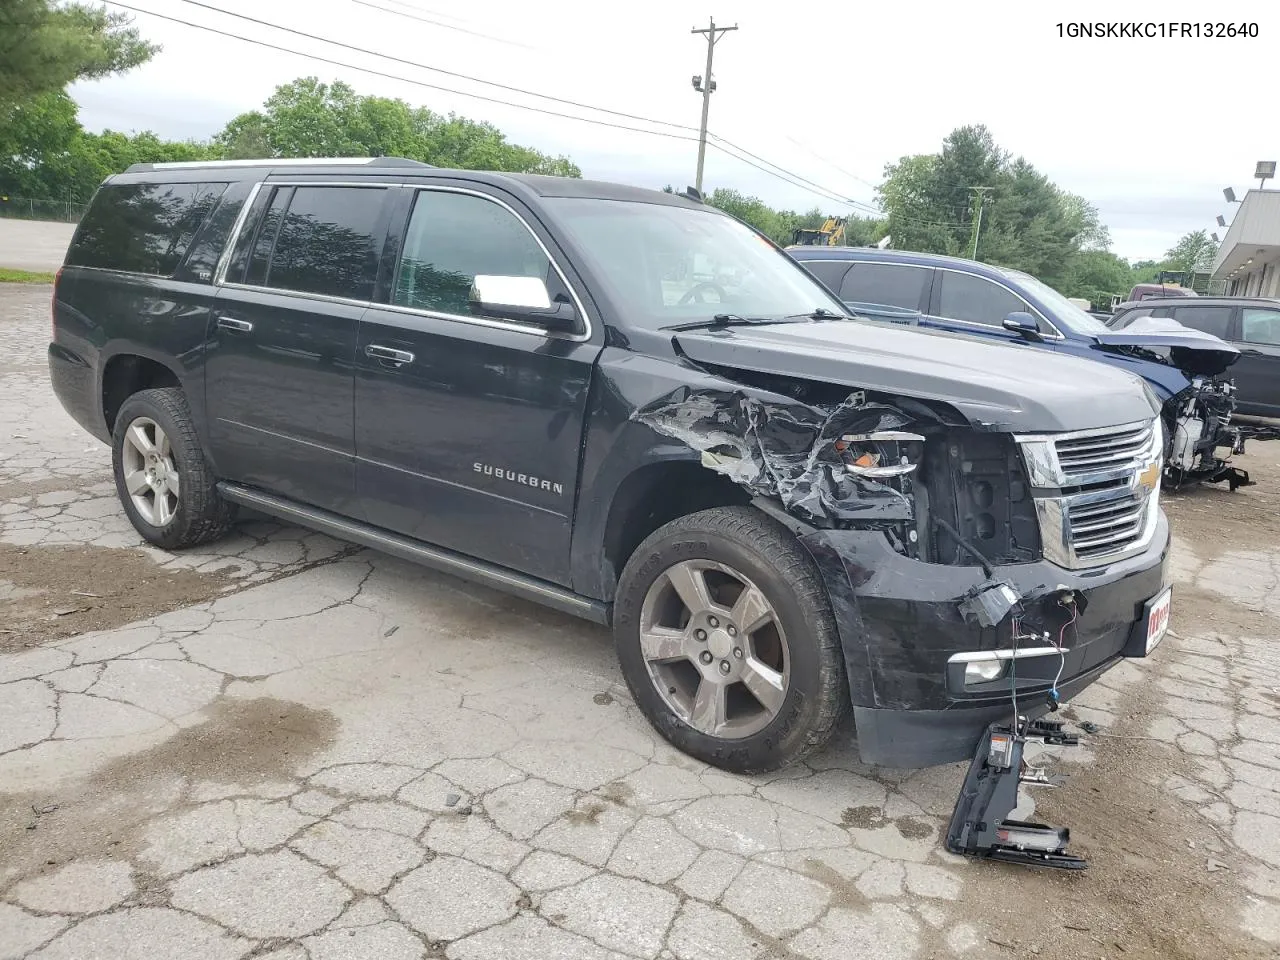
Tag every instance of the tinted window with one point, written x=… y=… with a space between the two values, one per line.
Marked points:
x=830 y=272
x=975 y=299
x=268 y=229
x=452 y=238
x=1215 y=320
x=328 y=242
x=209 y=244
x=142 y=227
x=1259 y=325
x=1126 y=318
x=885 y=283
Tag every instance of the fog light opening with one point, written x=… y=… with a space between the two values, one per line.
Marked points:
x=984 y=671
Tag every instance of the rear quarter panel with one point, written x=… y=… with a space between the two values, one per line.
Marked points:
x=101 y=314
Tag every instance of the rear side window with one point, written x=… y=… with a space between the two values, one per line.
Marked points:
x=268 y=229
x=452 y=238
x=1215 y=320
x=1259 y=325
x=890 y=284
x=975 y=299
x=327 y=242
x=142 y=227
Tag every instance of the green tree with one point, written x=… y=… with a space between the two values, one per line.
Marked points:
x=914 y=211
x=1028 y=223
x=780 y=225
x=1098 y=275
x=308 y=118
x=46 y=154
x=1194 y=253
x=37 y=141
x=751 y=210
x=44 y=46
x=1142 y=271
x=1091 y=233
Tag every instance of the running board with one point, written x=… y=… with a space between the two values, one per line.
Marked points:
x=437 y=558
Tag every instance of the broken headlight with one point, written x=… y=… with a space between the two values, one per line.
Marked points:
x=882 y=454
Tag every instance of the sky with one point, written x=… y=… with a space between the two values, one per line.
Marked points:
x=1147 y=129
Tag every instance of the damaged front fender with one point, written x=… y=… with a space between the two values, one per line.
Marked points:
x=851 y=461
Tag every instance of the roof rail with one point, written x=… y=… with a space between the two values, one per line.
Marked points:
x=281 y=162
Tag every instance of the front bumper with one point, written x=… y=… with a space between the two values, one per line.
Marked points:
x=900 y=625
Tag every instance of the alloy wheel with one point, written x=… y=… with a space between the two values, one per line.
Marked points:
x=150 y=473
x=715 y=649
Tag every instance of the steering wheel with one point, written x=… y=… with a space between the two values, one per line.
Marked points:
x=694 y=293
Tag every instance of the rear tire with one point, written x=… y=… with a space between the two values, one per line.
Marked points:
x=727 y=640
x=162 y=477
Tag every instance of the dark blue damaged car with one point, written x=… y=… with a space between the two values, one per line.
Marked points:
x=1184 y=367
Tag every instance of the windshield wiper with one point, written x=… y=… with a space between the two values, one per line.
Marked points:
x=734 y=320
x=819 y=313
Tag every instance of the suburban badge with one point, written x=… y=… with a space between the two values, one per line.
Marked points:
x=524 y=479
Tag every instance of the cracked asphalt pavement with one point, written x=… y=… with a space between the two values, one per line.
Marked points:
x=308 y=752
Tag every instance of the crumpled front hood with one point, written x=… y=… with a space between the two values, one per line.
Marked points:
x=1194 y=352
x=995 y=386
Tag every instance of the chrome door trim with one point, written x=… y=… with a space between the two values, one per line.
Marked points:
x=224 y=261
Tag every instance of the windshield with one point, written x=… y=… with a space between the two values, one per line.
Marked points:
x=1062 y=311
x=674 y=265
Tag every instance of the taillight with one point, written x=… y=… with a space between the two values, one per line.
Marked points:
x=53 y=306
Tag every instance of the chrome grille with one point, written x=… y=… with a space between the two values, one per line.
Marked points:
x=1096 y=491
x=1102 y=528
x=1083 y=456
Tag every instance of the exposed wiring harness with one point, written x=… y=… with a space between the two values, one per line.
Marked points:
x=1055 y=696
x=1013 y=671
x=1067 y=601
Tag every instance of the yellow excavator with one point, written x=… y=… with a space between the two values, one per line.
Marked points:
x=830 y=234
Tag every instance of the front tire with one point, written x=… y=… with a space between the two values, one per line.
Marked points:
x=727 y=640
x=163 y=480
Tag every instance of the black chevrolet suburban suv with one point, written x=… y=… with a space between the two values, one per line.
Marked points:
x=629 y=406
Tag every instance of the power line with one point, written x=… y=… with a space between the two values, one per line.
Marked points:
x=834 y=166
x=440 y=70
x=836 y=198
x=392 y=76
x=724 y=146
x=832 y=194
x=437 y=23
x=930 y=223
x=822 y=191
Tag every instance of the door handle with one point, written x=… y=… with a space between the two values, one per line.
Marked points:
x=231 y=323
x=388 y=355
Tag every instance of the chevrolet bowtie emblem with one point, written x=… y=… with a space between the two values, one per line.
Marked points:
x=1149 y=477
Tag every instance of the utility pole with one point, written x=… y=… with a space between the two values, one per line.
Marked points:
x=977 y=227
x=705 y=85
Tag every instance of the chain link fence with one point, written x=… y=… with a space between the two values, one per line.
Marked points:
x=31 y=208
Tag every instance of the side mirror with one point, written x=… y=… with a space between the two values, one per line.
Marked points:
x=1023 y=323
x=523 y=299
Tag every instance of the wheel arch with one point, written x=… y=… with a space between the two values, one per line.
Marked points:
x=127 y=371
x=669 y=483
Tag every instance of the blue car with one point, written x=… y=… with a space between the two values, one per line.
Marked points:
x=1184 y=368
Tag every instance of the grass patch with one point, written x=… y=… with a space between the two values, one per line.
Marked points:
x=24 y=276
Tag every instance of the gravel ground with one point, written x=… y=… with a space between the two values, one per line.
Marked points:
x=281 y=747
